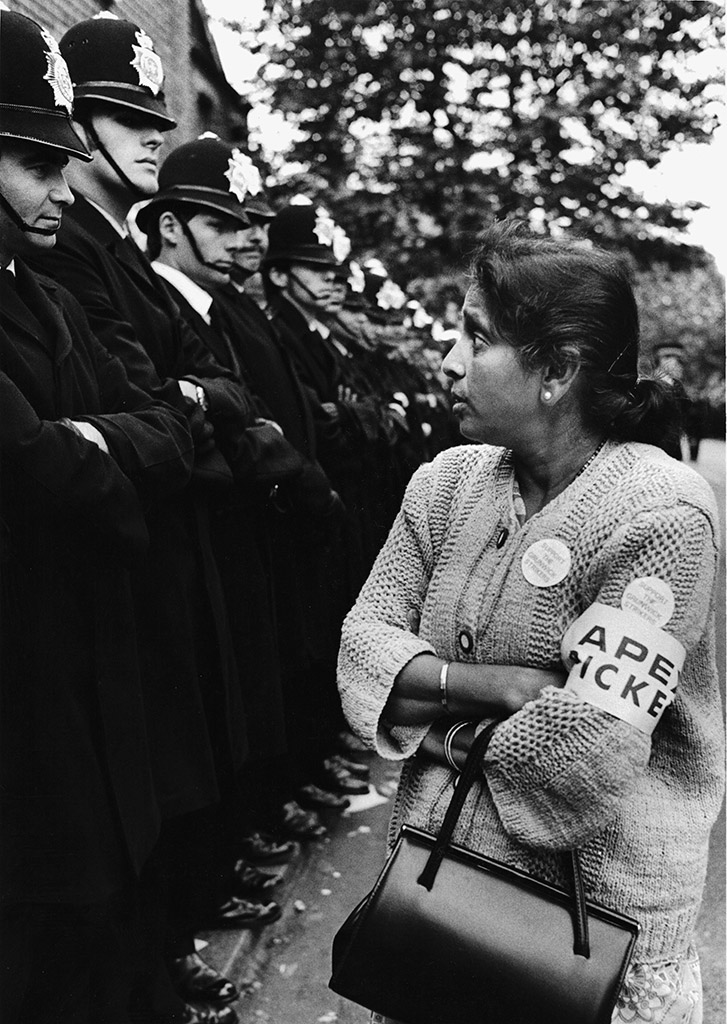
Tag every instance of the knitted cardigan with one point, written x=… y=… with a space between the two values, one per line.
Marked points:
x=560 y=772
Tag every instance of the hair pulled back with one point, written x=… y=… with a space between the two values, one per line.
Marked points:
x=562 y=302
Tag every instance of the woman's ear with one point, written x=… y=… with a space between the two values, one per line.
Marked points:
x=557 y=381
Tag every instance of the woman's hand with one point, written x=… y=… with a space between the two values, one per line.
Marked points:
x=473 y=691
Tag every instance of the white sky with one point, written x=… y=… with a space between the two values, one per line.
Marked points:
x=696 y=172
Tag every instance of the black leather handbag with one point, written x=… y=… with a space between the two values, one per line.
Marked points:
x=447 y=936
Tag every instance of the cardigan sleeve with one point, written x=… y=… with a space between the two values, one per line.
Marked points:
x=559 y=768
x=379 y=634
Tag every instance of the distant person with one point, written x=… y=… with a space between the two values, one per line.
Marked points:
x=669 y=366
x=520 y=571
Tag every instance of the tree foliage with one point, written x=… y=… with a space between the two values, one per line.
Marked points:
x=421 y=119
x=688 y=307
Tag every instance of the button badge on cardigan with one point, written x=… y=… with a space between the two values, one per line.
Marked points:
x=546 y=562
x=465 y=641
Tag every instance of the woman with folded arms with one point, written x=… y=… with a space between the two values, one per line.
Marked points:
x=558 y=574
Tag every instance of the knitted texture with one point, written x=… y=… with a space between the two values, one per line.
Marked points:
x=559 y=772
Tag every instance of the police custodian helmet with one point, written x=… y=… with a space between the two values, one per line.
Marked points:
x=304 y=233
x=36 y=94
x=205 y=173
x=115 y=61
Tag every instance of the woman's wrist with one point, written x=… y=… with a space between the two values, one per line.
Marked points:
x=457 y=743
x=448 y=742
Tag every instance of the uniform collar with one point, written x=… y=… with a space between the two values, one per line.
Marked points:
x=197 y=297
x=120 y=229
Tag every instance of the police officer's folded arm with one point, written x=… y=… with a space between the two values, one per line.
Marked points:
x=65 y=477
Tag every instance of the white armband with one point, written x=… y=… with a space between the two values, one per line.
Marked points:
x=623 y=664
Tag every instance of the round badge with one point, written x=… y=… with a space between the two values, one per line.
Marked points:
x=546 y=562
x=465 y=641
x=651 y=598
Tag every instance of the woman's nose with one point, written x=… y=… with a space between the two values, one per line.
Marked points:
x=452 y=364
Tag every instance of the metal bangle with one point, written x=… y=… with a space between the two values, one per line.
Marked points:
x=449 y=740
x=443 y=686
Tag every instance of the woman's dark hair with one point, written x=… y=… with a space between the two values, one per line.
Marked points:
x=560 y=302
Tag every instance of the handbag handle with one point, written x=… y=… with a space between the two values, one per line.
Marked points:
x=471 y=770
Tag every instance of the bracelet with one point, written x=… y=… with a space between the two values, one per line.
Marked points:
x=443 y=685
x=448 y=741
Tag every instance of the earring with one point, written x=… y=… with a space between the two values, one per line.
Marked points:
x=547 y=395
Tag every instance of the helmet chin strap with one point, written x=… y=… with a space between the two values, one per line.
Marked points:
x=304 y=286
x=193 y=244
x=23 y=225
x=103 y=150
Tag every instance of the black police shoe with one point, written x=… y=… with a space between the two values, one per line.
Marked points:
x=195 y=980
x=300 y=824
x=238 y=913
x=357 y=768
x=250 y=880
x=259 y=848
x=348 y=743
x=311 y=795
x=340 y=780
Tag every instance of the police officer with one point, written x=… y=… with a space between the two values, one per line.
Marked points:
x=306 y=250
x=80 y=450
x=209 y=209
x=196 y=225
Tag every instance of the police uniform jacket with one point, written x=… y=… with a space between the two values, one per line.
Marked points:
x=78 y=807
x=299 y=533
x=241 y=540
x=195 y=716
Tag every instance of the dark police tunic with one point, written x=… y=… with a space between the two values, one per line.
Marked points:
x=78 y=807
x=196 y=720
x=301 y=536
x=241 y=541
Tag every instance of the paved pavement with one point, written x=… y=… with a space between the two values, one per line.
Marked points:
x=284 y=969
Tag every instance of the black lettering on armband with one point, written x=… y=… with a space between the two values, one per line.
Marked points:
x=584 y=666
x=631 y=689
x=657 y=703
x=598 y=675
x=661 y=664
x=597 y=637
x=630 y=648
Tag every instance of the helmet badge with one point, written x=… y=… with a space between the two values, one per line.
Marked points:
x=147 y=63
x=58 y=75
x=356 y=279
x=390 y=295
x=243 y=176
x=341 y=244
x=325 y=227
x=329 y=233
